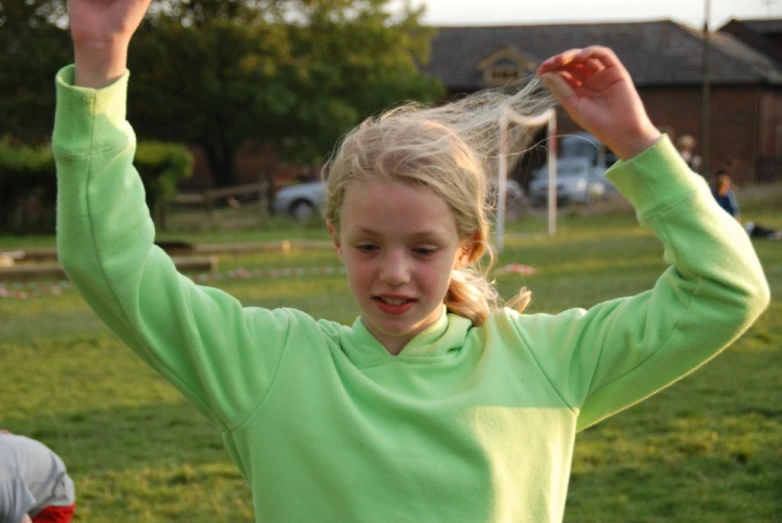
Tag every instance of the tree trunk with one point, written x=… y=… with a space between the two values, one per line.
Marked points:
x=221 y=159
x=271 y=189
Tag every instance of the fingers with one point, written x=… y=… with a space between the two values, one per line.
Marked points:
x=577 y=73
x=558 y=61
x=559 y=86
x=592 y=59
x=601 y=54
x=594 y=65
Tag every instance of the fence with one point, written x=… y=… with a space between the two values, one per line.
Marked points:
x=768 y=169
x=210 y=197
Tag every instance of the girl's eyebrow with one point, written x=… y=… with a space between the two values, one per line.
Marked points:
x=422 y=234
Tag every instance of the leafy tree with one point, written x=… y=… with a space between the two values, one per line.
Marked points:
x=33 y=47
x=216 y=73
x=297 y=73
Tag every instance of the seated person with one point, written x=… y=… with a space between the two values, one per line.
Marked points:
x=723 y=193
x=34 y=484
x=722 y=189
x=758 y=231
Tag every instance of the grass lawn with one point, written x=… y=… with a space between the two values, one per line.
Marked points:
x=706 y=449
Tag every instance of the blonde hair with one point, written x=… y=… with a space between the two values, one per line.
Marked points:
x=686 y=141
x=452 y=150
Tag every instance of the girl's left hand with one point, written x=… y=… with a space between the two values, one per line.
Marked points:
x=597 y=92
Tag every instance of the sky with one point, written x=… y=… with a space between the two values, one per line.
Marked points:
x=523 y=12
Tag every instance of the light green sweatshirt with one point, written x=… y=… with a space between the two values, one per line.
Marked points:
x=466 y=424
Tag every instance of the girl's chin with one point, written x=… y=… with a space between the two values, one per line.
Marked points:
x=398 y=328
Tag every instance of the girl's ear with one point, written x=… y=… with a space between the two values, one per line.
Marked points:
x=335 y=238
x=466 y=251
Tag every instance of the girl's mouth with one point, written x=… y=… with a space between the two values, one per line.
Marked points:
x=392 y=305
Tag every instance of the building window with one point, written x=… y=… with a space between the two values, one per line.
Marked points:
x=500 y=75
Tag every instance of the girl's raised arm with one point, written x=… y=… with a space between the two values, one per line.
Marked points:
x=221 y=356
x=618 y=352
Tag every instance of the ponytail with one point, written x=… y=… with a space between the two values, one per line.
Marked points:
x=472 y=296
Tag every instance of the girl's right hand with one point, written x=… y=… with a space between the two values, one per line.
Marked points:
x=597 y=92
x=101 y=31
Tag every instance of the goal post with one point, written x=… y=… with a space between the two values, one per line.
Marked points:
x=507 y=118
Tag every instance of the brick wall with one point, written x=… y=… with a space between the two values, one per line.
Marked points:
x=734 y=121
x=771 y=125
x=744 y=124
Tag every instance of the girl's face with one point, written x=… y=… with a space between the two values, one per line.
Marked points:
x=399 y=244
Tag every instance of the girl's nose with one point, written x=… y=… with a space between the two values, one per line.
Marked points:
x=395 y=269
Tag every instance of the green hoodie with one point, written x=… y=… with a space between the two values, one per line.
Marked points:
x=467 y=423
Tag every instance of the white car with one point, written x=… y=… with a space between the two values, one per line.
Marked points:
x=301 y=202
x=513 y=191
x=578 y=181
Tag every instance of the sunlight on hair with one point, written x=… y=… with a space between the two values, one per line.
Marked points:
x=453 y=150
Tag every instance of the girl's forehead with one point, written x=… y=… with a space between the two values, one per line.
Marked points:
x=391 y=207
x=391 y=193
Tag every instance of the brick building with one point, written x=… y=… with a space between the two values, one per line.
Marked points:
x=764 y=37
x=665 y=60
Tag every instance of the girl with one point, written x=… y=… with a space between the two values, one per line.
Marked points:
x=435 y=405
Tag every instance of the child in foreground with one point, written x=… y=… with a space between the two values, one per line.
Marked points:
x=436 y=404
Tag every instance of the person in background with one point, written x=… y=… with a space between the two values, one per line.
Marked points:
x=686 y=147
x=758 y=231
x=722 y=189
x=34 y=483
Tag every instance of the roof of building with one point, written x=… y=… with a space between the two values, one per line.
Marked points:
x=764 y=26
x=657 y=53
x=764 y=36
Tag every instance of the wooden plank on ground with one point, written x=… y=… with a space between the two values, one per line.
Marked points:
x=44 y=254
x=188 y=198
x=38 y=254
x=239 y=190
x=54 y=271
x=244 y=248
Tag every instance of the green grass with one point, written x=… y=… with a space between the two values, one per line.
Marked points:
x=706 y=449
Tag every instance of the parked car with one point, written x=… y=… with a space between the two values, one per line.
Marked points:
x=514 y=194
x=301 y=202
x=578 y=181
x=584 y=145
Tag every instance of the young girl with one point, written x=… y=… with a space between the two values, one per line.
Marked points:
x=435 y=405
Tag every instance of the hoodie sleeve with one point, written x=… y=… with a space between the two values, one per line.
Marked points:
x=617 y=353
x=221 y=356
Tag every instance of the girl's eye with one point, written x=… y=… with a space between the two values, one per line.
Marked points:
x=366 y=247
x=425 y=251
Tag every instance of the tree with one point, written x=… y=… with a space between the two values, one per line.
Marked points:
x=33 y=47
x=297 y=73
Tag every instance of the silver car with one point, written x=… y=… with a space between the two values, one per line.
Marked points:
x=301 y=202
x=578 y=181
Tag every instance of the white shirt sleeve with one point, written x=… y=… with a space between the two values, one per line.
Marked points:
x=15 y=499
